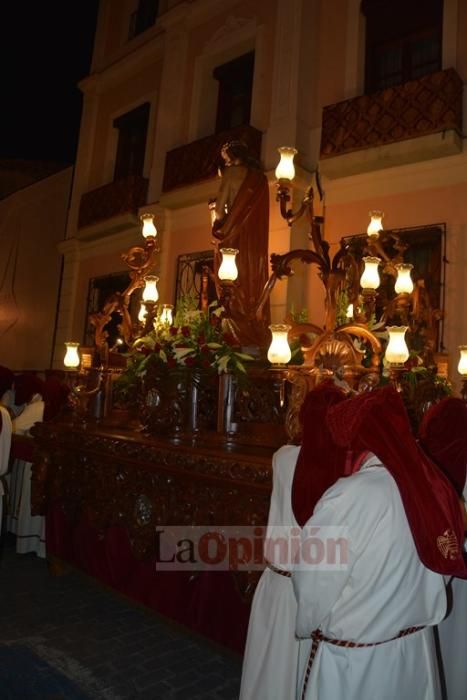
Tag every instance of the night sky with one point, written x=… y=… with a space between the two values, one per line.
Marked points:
x=45 y=49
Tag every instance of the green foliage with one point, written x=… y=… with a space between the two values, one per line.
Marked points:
x=197 y=340
x=299 y=316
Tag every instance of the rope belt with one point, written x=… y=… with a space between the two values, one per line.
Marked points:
x=318 y=637
x=281 y=572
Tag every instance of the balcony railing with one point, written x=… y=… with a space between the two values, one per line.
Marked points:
x=199 y=160
x=120 y=197
x=429 y=105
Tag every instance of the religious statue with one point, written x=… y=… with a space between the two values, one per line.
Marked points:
x=241 y=220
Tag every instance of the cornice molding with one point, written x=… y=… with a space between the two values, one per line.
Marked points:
x=413 y=177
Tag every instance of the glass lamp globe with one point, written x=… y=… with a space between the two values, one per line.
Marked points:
x=370 y=276
x=404 y=284
x=228 y=271
x=462 y=366
x=397 y=351
x=285 y=169
x=149 y=229
x=150 y=292
x=71 y=359
x=166 y=316
x=142 y=313
x=375 y=225
x=279 y=352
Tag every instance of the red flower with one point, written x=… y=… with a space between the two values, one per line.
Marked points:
x=173 y=330
x=201 y=339
x=171 y=362
x=205 y=349
x=157 y=347
x=229 y=339
x=206 y=363
x=189 y=361
x=185 y=331
x=214 y=321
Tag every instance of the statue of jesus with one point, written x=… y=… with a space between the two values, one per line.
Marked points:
x=242 y=221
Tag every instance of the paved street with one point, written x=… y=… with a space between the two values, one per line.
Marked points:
x=71 y=639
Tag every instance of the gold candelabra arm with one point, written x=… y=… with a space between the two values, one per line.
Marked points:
x=151 y=314
x=83 y=395
x=369 y=302
x=395 y=375
x=283 y=197
x=140 y=259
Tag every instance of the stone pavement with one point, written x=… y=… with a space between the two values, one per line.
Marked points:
x=98 y=642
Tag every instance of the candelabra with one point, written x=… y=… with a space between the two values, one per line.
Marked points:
x=352 y=273
x=140 y=259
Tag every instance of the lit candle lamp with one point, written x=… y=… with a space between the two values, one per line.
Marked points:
x=150 y=292
x=462 y=369
x=279 y=352
x=149 y=229
x=285 y=169
x=71 y=359
x=167 y=314
x=142 y=313
x=404 y=284
x=462 y=366
x=228 y=271
x=375 y=225
x=397 y=351
x=349 y=312
x=370 y=278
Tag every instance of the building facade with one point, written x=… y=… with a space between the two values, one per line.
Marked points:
x=33 y=216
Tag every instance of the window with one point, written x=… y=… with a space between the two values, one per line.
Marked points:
x=192 y=280
x=100 y=290
x=235 y=88
x=426 y=252
x=132 y=131
x=403 y=41
x=143 y=18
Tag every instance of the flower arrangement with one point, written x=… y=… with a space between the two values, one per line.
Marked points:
x=197 y=340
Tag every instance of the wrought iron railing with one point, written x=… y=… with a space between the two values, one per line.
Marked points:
x=120 y=197
x=200 y=159
x=429 y=105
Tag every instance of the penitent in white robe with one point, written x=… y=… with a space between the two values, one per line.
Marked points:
x=452 y=634
x=5 y=443
x=29 y=529
x=384 y=589
x=271 y=655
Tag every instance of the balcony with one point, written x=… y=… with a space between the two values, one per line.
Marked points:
x=427 y=112
x=199 y=160
x=116 y=199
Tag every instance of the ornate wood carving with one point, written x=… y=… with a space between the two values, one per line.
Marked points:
x=119 y=197
x=416 y=108
x=141 y=483
x=199 y=160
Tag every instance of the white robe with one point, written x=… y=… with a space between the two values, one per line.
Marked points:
x=271 y=655
x=5 y=443
x=452 y=634
x=383 y=590
x=29 y=529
